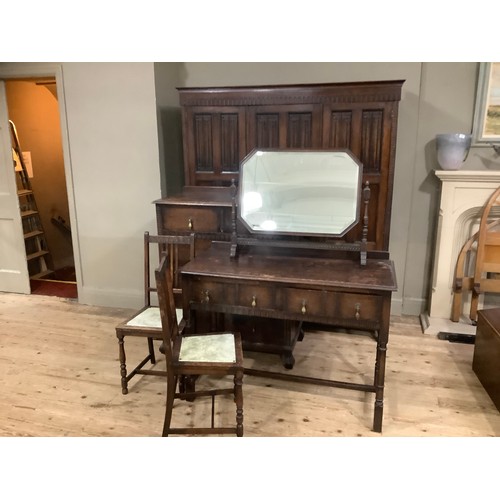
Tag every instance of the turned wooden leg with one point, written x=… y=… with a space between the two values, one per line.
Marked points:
x=375 y=374
x=123 y=366
x=238 y=397
x=189 y=386
x=288 y=360
x=151 y=350
x=171 y=383
x=473 y=304
x=300 y=337
x=379 y=385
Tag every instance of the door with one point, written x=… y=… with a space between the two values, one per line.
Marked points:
x=13 y=267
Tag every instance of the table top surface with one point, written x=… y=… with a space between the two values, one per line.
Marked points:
x=295 y=269
x=491 y=315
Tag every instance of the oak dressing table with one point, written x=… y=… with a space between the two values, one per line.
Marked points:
x=286 y=262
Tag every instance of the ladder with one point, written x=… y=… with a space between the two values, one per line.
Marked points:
x=37 y=251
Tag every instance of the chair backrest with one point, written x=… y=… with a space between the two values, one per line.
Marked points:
x=179 y=248
x=488 y=242
x=166 y=302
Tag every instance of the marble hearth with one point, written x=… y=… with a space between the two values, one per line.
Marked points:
x=463 y=195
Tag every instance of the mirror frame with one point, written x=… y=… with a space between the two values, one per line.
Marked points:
x=270 y=233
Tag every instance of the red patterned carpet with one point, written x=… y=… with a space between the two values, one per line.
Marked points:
x=54 y=288
x=61 y=284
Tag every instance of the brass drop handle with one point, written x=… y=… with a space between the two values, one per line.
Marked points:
x=190 y=223
x=304 y=309
x=206 y=298
x=357 y=306
x=254 y=300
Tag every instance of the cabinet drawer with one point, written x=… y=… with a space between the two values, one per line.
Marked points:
x=348 y=306
x=306 y=302
x=256 y=296
x=213 y=293
x=191 y=219
x=358 y=307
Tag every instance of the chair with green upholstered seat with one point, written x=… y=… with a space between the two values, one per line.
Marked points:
x=146 y=321
x=218 y=354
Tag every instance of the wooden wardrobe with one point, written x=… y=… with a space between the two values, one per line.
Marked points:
x=221 y=125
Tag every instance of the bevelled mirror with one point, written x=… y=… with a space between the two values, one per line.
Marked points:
x=305 y=192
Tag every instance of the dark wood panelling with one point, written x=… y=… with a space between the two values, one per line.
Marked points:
x=229 y=137
x=203 y=142
x=232 y=121
x=267 y=130
x=371 y=140
x=299 y=130
x=340 y=129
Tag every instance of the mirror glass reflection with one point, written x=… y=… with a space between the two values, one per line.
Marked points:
x=300 y=192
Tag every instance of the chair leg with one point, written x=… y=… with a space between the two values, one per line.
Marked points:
x=171 y=383
x=123 y=366
x=238 y=398
x=473 y=305
x=151 y=350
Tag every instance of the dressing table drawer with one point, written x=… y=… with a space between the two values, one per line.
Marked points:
x=192 y=219
x=256 y=296
x=358 y=307
x=213 y=293
x=305 y=302
x=320 y=303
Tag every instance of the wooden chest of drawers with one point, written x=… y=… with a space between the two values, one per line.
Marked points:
x=486 y=360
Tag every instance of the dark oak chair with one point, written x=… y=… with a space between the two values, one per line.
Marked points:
x=189 y=356
x=146 y=321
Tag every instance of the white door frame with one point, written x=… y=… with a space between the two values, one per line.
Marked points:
x=35 y=70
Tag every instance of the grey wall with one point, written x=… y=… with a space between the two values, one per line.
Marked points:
x=113 y=143
x=124 y=147
x=169 y=76
x=111 y=153
x=445 y=104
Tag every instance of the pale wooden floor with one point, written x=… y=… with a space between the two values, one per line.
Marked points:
x=59 y=376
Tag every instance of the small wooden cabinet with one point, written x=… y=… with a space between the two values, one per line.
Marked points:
x=221 y=125
x=206 y=212
x=485 y=362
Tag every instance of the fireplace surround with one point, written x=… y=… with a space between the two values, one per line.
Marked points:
x=463 y=195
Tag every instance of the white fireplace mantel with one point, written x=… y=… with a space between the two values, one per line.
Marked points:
x=463 y=196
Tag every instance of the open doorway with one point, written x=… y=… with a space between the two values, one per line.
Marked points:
x=34 y=110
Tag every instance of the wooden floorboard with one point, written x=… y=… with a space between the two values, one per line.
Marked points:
x=60 y=377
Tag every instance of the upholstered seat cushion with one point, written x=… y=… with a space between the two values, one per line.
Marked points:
x=150 y=317
x=219 y=348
